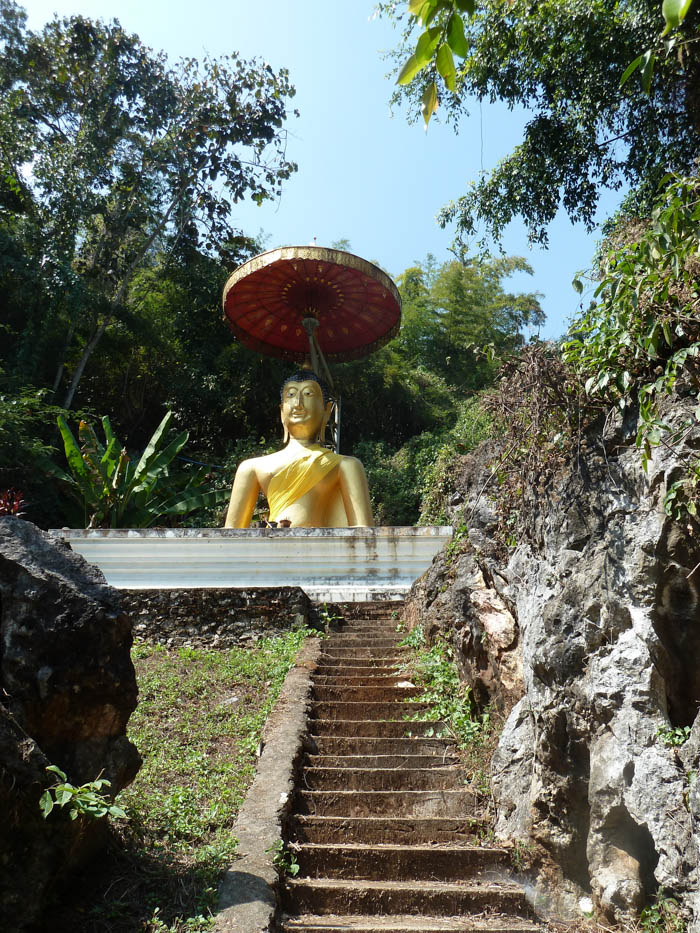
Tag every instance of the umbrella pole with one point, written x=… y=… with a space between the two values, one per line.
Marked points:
x=320 y=367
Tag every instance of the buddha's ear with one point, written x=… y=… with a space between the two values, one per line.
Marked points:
x=324 y=423
x=285 y=436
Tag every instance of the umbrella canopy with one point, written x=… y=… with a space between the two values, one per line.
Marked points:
x=356 y=304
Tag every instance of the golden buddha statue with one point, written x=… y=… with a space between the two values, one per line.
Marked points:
x=306 y=484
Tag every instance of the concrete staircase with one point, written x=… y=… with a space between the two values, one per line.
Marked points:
x=384 y=826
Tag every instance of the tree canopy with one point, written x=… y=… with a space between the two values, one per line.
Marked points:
x=109 y=155
x=564 y=62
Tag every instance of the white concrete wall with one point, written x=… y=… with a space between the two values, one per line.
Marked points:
x=330 y=564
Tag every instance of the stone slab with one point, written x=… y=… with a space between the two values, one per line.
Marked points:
x=329 y=564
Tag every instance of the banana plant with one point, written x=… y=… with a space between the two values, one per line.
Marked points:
x=117 y=492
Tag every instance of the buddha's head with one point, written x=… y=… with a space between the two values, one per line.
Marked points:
x=305 y=406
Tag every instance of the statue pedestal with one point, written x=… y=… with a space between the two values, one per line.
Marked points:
x=329 y=564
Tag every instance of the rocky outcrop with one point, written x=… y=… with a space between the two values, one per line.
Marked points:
x=592 y=623
x=68 y=689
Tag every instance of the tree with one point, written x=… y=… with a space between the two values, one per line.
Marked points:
x=108 y=155
x=564 y=61
x=457 y=315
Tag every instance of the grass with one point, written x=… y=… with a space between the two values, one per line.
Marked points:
x=197 y=726
x=475 y=731
x=450 y=701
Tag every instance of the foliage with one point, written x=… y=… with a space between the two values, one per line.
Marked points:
x=128 y=155
x=27 y=432
x=539 y=411
x=458 y=322
x=198 y=725
x=473 y=425
x=11 y=503
x=664 y=915
x=284 y=859
x=454 y=312
x=450 y=701
x=640 y=338
x=118 y=493
x=675 y=736
x=674 y=13
x=85 y=800
x=414 y=639
x=563 y=61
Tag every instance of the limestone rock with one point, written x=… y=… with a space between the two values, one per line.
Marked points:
x=68 y=689
x=604 y=598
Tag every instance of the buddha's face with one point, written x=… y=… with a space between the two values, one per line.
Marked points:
x=303 y=410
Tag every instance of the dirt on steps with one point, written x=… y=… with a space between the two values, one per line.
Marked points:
x=385 y=828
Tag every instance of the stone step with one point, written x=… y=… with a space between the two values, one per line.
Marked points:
x=340 y=679
x=392 y=608
x=370 y=710
x=379 y=728
x=369 y=680
x=362 y=640
x=357 y=670
x=407 y=923
x=375 y=830
x=362 y=745
x=377 y=655
x=330 y=895
x=424 y=804
x=384 y=762
x=440 y=777
x=360 y=694
x=402 y=862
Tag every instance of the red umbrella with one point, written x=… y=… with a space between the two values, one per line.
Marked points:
x=267 y=299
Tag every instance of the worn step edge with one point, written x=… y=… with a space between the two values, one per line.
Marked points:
x=359 y=680
x=440 y=863
x=407 y=922
x=371 y=710
x=441 y=777
x=358 y=670
x=385 y=830
x=383 y=762
x=386 y=694
x=377 y=728
x=378 y=745
x=421 y=804
x=322 y=895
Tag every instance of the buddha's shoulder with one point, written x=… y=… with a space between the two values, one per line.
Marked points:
x=264 y=462
x=350 y=463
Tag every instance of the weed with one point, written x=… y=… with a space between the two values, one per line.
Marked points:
x=284 y=859
x=664 y=915
x=675 y=735
x=450 y=701
x=522 y=855
x=85 y=800
x=328 y=617
x=414 y=639
x=455 y=547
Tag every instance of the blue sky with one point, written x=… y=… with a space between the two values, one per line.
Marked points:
x=364 y=174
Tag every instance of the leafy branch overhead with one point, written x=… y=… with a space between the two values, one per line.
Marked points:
x=674 y=13
x=442 y=39
x=561 y=64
